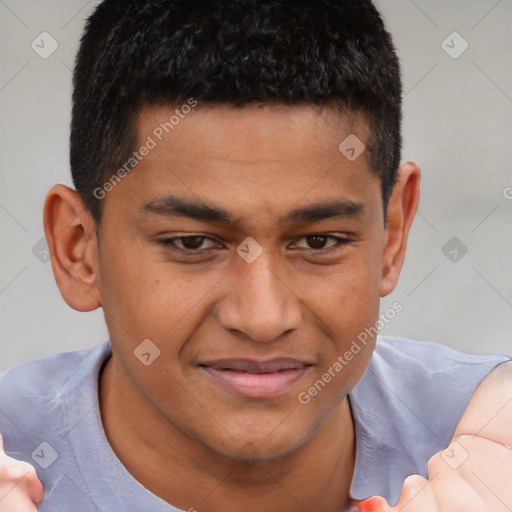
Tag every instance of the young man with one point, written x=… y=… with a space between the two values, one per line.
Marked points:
x=239 y=211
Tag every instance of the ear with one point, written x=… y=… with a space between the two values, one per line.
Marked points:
x=402 y=207
x=70 y=233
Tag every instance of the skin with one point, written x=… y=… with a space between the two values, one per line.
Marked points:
x=306 y=301
x=20 y=489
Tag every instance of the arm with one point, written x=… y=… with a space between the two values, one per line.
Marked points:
x=20 y=489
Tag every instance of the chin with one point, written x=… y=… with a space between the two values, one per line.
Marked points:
x=259 y=445
x=252 y=453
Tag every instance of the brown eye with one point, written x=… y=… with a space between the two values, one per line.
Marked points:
x=318 y=241
x=192 y=242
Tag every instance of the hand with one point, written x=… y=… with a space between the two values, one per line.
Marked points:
x=20 y=489
x=457 y=488
x=473 y=473
x=479 y=484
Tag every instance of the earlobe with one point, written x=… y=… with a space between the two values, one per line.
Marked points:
x=71 y=237
x=402 y=208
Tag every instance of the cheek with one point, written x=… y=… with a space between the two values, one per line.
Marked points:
x=143 y=291
x=343 y=311
x=351 y=302
x=136 y=295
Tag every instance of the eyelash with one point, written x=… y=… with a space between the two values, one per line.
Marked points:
x=170 y=243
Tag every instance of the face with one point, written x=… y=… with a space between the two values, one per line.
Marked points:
x=249 y=250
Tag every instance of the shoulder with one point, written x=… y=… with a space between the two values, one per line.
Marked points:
x=34 y=395
x=403 y=360
x=429 y=354
x=406 y=407
x=424 y=384
x=47 y=375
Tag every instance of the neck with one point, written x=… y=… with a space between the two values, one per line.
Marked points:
x=190 y=476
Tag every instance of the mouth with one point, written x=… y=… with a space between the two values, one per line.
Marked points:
x=253 y=379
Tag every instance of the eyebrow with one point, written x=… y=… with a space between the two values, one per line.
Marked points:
x=175 y=206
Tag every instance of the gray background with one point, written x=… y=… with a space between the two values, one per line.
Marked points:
x=457 y=125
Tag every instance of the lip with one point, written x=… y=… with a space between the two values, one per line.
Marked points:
x=256 y=379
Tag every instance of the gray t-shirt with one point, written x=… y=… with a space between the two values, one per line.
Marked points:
x=405 y=407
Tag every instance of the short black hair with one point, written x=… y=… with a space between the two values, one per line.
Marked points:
x=136 y=53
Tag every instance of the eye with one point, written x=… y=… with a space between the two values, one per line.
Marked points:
x=318 y=241
x=197 y=243
x=190 y=243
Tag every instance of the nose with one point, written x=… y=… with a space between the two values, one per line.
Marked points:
x=259 y=302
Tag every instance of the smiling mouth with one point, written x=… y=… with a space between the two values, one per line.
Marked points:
x=252 y=379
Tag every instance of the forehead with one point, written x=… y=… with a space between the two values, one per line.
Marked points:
x=230 y=132
x=255 y=139
x=259 y=158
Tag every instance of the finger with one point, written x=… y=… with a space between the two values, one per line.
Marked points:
x=34 y=487
x=23 y=475
x=16 y=500
x=30 y=482
x=1 y=444
x=374 y=504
